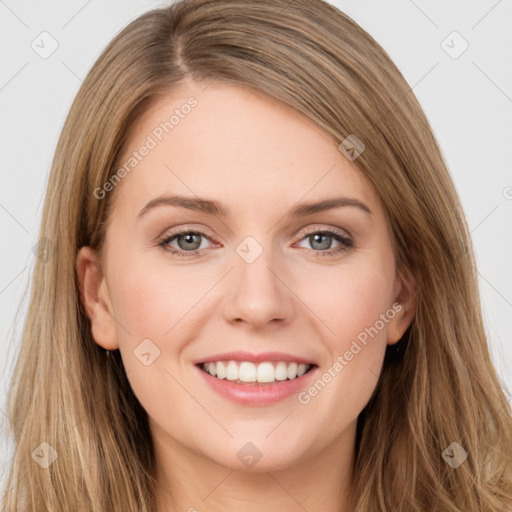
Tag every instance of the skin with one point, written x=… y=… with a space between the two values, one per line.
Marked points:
x=260 y=159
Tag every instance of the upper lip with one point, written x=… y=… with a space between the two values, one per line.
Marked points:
x=254 y=358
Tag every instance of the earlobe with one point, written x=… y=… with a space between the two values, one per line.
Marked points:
x=96 y=299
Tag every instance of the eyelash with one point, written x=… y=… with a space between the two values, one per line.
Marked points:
x=345 y=242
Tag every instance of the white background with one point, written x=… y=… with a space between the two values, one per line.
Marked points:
x=468 y=101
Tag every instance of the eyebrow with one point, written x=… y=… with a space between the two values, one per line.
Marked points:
x=212 y=207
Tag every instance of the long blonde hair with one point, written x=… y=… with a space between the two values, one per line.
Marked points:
x=437 y=387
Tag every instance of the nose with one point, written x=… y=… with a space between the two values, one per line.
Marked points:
x=258 y=293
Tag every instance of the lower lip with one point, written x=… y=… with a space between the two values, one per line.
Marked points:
x=257 y=394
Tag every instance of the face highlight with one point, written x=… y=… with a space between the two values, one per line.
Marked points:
x=222 y=240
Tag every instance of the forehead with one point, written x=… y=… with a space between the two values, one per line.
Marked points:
x=237 y=145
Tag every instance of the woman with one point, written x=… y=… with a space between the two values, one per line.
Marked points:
x=193 y=343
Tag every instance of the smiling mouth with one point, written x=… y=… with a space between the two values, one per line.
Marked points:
x=246 y=372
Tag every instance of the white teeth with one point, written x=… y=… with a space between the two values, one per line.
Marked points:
x=246 y=371
x=265 y=372
x=232 y=371
x=281 y=372
x=220 y=370
x=302 y=369
x=212 y=368
x=292 y=370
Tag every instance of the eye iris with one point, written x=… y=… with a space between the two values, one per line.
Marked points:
x=189 y=239
x=314 y=238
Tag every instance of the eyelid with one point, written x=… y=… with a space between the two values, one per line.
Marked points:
x=317 y=227
x=343 y=237
x=185 y=228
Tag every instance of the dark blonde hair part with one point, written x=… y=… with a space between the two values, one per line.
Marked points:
x=439 y=387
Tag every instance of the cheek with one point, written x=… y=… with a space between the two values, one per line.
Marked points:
x=350 y=299
x=151 y=306
x=150 y=300
x=356 y=298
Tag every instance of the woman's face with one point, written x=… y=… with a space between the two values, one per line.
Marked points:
x=254 y=278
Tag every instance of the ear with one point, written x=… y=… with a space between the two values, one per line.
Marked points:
x=96 y=299
x=404 y=305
